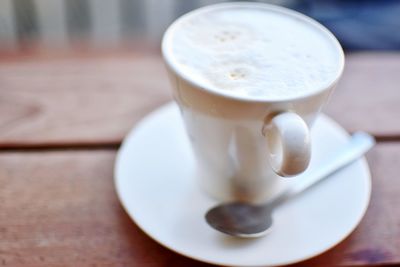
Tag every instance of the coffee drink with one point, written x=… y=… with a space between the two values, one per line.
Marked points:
x=252 y=52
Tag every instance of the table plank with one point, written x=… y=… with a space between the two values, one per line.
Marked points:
x=96 y=100
x=59 y=208
x=367 y=98
x=90 y=100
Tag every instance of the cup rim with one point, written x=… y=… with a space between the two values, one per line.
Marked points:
x=171 y=64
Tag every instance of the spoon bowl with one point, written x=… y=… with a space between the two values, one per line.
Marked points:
x=240 y=219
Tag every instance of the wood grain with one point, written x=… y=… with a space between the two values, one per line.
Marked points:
x=60 y=209
x=367 y=98
x=72 y=101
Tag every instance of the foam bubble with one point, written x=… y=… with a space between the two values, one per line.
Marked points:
x=254 y=52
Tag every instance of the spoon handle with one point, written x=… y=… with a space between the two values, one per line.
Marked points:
x=359 y=144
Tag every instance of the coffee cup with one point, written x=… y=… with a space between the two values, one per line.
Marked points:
x=250 y=80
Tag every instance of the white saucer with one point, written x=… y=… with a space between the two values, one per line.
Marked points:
x=155 y=183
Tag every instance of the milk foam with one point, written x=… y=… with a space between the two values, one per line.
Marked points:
x=248 y=51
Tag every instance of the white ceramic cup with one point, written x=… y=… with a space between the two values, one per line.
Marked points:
x=245 y=146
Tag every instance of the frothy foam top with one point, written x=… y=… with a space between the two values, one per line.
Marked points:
x=259 y=53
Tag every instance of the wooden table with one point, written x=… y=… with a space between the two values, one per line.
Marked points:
x=62 y=120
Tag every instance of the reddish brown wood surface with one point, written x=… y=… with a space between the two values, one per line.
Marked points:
x=77 y=100
x=96 y=100
x=60 y=209
x=58 y=206
x=367 y=97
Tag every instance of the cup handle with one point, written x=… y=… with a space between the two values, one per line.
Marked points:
x=289 y=144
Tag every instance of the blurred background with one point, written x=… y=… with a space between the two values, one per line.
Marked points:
x=29 y=25
x=76 y=75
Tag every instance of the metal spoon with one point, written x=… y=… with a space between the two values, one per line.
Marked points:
x=250 y=220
